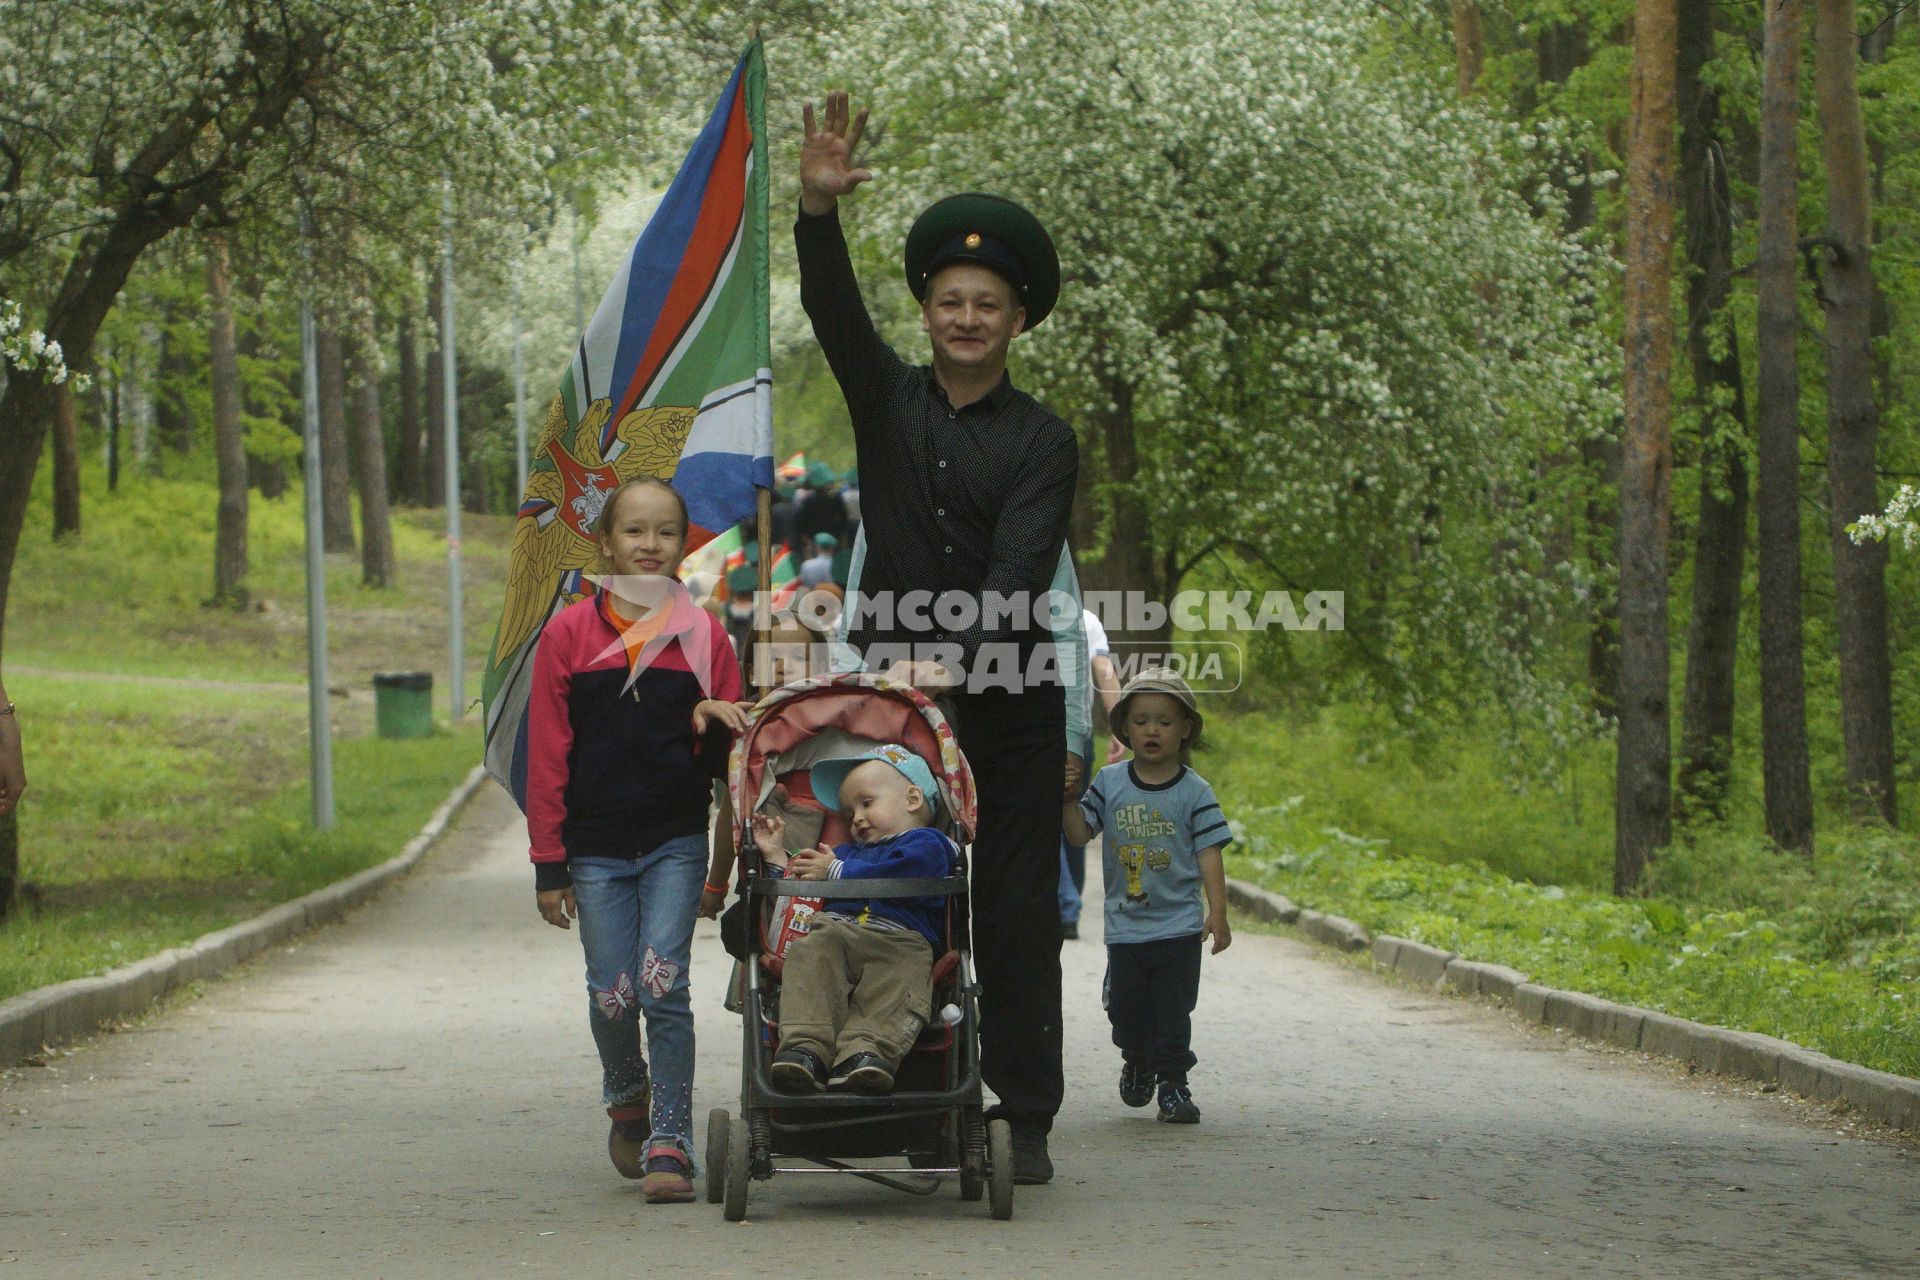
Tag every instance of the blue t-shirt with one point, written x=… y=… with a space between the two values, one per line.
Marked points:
x=1151 y=836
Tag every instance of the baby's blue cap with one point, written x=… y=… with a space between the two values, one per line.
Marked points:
x=827 y=776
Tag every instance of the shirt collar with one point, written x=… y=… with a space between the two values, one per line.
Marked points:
x=997 y=399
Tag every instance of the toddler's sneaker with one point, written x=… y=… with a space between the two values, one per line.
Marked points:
x=1136 y=1085
x=798 y=1071
x=669 y=1177
x=1176 y=1104
x=862 y=1073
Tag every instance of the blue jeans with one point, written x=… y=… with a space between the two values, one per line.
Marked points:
x=636 y=926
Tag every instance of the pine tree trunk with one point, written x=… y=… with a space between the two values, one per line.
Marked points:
x=1130 y=564
x=406 y=457
x=1559 y=50
x=230 y=445
x=113 y=435
x=1642 y=785
x=1853 y=421
x=170 y=421
x=1783 y=699
x=66 y=464
x=370 y=464
x=1706 y=735
x=336 y=507
x=433 y=479
x=1469 y=46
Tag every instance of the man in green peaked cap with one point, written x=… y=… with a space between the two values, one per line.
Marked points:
x=966 y=486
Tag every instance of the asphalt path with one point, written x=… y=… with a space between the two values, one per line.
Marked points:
x=414 y=1093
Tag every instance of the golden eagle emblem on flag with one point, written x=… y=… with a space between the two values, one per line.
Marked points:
x=567 y=487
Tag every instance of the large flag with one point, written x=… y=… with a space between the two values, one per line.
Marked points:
x=673 y=378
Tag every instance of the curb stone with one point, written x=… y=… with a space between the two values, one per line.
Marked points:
x=1880 y=1096
x=76 y=1008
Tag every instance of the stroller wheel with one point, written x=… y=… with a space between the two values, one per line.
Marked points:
x=1000 y=1169
x=719 y=1123
x=739 y=1166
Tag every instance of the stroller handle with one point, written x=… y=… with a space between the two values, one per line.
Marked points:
x=873 y=887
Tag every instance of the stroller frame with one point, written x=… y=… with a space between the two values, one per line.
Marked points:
x=942 y=1128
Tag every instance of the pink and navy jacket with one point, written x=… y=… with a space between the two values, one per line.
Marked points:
x=613 y=767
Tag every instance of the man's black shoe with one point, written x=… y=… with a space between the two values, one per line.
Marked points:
x=1031 y=1166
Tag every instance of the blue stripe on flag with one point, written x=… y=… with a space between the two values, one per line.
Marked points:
x=658 y=254
x=719 y=489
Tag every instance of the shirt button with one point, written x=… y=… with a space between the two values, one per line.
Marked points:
x=949 y=550
x=939 y=511
x=943 y=462
x=952 y=416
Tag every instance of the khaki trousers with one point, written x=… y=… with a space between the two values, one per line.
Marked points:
x=851 y=988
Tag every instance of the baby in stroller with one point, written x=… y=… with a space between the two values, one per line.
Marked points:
x=857 y=987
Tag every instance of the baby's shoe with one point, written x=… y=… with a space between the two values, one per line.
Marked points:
x=669 y=1177
x=862 y=1073
x=798 y=1071
x=1136 y=1085
x=1176 y=1103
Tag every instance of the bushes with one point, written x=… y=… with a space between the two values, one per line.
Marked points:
x=1826 y=955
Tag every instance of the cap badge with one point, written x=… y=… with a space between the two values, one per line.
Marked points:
x=973 y=240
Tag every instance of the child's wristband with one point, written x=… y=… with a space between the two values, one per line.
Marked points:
x=715 y=888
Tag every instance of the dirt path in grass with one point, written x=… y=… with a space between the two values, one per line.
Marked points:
x=413 y=1093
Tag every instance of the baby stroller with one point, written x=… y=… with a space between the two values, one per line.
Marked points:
x=934 y=1115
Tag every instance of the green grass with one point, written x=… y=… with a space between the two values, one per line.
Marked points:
x=1428 y=840
x=168 y=790
x=146 y=553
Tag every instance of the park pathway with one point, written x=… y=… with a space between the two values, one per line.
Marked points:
x=413 y=1093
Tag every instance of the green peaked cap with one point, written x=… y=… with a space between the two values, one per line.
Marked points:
x=994 y=232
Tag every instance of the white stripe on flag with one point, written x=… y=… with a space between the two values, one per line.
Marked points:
x=729 y=421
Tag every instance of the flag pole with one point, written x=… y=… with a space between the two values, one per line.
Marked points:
x=763 y=599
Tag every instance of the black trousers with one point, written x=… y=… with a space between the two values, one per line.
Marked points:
x=1015 y=744
x=1151 y=990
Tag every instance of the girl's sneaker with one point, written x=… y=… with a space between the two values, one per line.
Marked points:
x=1136 y=1085
x=1176 y=1104
x=669 y=1177
x=627 y=1137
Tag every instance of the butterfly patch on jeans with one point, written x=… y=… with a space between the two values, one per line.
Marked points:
x=657 y=974
x=614 y=1004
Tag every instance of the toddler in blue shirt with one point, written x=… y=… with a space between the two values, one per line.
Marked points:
x=1161 y=835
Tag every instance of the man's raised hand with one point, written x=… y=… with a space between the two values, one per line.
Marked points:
x=826 y=158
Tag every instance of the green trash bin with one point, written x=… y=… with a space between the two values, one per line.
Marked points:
x=403 y=704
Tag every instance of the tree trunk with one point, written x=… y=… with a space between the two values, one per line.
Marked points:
x=171 y=422
x=1469 y=45
x=1706 y=735
x=66 y=464
x=229 y=438
x=1853 y=421
x=433 y=480
x=407 y=452
x=1642 y=785
x=1560 y=50
x=1130 y=565
x=370 y=464
x=113 y=435
x=1783 y=698
x=336 y=483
